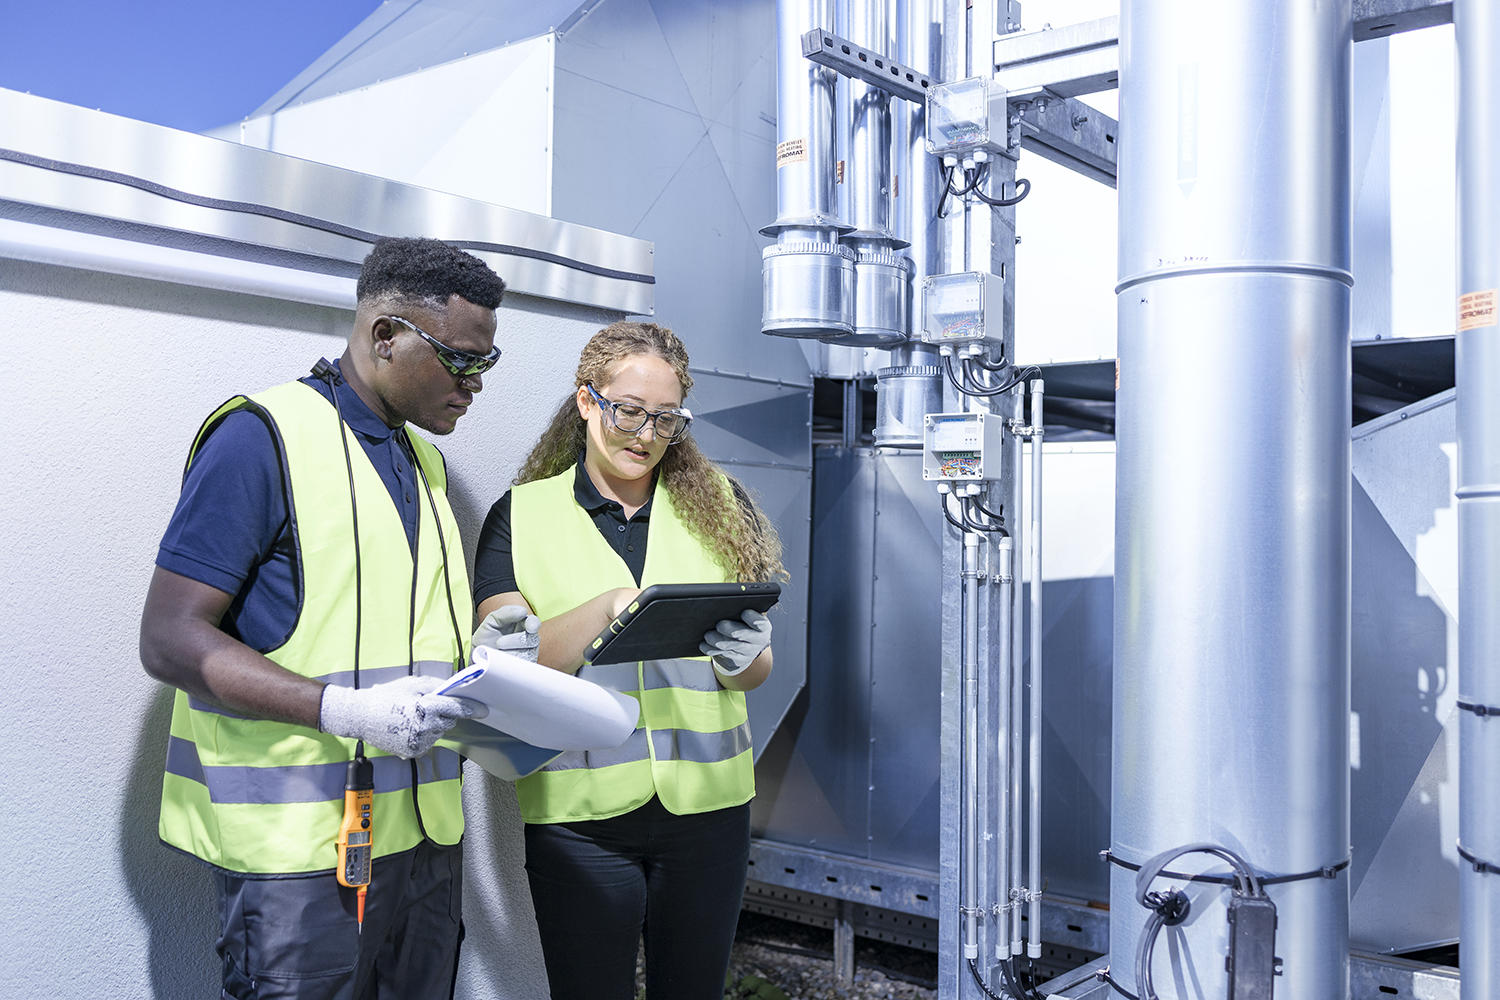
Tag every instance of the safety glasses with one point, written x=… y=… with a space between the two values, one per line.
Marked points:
x=460 y=363
x=632 y=419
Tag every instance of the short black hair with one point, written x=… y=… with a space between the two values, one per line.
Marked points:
x=429 y=271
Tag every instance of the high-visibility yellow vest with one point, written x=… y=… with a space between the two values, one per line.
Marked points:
x=692 y=748
x=260 y=797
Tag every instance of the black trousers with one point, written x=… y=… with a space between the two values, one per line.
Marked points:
x=598 y=885
x=297 y=938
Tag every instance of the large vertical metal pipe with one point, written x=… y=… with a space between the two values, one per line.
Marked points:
x=882 y=277
x=913 y=384
x=1231 y=678
x=808 y=278
x=871 y=25
x=1477 y=23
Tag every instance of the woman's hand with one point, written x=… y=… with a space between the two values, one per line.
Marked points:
x=741 y=651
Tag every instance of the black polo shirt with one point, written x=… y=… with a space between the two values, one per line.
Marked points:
x=494 y=565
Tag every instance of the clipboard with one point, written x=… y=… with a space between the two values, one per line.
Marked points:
x=668 y=620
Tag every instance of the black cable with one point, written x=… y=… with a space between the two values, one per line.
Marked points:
x=966 y=385
x=458 y=638
x=947 y=190
x=978 y=979
x=996 y=515
x=1109 y=981
x=975 y=524
x=943 y=499
x=991 y=366
x=1030 y=371
x=1023 y=188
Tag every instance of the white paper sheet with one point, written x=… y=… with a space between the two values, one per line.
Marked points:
x=545 y=708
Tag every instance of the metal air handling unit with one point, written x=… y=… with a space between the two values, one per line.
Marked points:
x=1238 y=236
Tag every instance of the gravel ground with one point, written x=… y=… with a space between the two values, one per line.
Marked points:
x=772 y=955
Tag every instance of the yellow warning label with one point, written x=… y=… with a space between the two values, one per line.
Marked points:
x=791 y=151
x=1476 y=309
x=838 y=172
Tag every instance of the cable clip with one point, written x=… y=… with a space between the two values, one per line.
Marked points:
x=1173 y=905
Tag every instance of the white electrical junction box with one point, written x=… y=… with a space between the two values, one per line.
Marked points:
x=962 y=447
x=966 y=115
x=963 y=308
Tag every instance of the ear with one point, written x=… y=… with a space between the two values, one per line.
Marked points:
x=382 y=334
x=585 y=402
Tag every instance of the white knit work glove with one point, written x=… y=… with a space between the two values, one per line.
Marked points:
x=401 y=717
x=512 y=629
x=734 y=644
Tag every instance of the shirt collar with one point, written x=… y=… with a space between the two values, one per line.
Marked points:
x=587 y=495
x=356 y=414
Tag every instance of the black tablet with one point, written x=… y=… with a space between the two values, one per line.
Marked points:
x=669 y=620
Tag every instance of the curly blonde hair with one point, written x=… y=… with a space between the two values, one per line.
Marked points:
x=738 y=534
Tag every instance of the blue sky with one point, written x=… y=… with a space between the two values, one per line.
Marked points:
x=188 y=64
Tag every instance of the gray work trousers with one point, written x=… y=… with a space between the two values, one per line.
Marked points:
x=297 y=938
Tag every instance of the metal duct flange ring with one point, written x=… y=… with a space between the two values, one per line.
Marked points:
x=882 y=291
x=808 y=290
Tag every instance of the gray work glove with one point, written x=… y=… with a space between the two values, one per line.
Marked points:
x=734 y=644
x=512 y=629
x=401 y=717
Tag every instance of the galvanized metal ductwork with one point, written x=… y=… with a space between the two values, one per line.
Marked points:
x=1231 y=678
x=808 y=278
x=1478 y=368
x=882 y=277
x=913 y=384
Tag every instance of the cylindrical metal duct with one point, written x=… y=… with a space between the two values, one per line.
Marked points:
x=804 y=122
x=807 y=288
x=1477 y=24
x=882 y=290
x=882 y=280
x=808 y=279
x=1231 y=678
x=871 y=25
x=915 y=189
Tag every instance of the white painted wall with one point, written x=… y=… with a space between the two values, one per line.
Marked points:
x=105 y=383
x=480 y=126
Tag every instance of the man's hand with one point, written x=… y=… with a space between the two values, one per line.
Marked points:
x=511 y=628
x=401 y=717
x=735 y=644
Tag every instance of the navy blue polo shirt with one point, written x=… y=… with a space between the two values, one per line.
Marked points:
x=494 y=565
x=231 y=528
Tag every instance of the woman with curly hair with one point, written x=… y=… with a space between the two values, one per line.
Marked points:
x=652 y=836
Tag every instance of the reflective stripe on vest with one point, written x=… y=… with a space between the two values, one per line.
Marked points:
x=692 y=750
x=261 y=797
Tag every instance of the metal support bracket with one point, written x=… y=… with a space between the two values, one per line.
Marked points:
x=1070 y=134
x=1084 y=58
x=844 y=57
x=1077 y=59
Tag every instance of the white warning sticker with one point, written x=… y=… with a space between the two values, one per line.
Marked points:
x=1476 y=309
x=791 y=151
